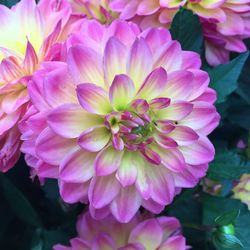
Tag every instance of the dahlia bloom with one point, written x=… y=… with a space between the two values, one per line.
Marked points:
x=125 y=122
x=242 y=190
x=225 y=23
x=160 y=233
x=30 y=35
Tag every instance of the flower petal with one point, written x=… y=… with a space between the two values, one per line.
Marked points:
x=121 y=92
x=202 y=151
x=52 y=148
x=175 y=111
x=154 y=84
x=94 y=99
x=139 y=62
x=149 y=233
x=179 y=85
x=103 y=242
x=184 y=135
x=94 y=139
x=126 y=204
x=85 y=65
x=77 y=166
x=115 y=58
x=127 y=171
x=174 y=243
x=107 y=161
x=103 y=190
x=70 y=120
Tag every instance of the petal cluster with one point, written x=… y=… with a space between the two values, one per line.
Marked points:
x=31 y=34
x=140 y=234
x=242 y=190
x=225 y=23
x=124 y=122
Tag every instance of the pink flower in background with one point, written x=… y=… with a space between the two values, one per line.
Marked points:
x=160 y=233
x=225 y=23
x=30 y=35
x=224 y=37
x=127 y=124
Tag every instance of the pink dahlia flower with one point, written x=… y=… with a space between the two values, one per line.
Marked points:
x=124 y=122
x=223 y=37
x=161 y=233
x=30 y=35
x=225 y=22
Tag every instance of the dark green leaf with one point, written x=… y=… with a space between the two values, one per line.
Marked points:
x=227 y=218
x=224 y=77
x=228 y=165
x=189 y=38
x=8 y=3
x=19 y=204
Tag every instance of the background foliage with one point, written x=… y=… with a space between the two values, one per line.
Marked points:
x=35 y=218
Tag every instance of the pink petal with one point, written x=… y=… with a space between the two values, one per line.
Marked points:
x=142 y=183
x=201 y=151
x=200 y=83
x=139 y=62
x=70 y=120
x=233 y=25
x=103 y=242
x=175 y=111
x=127 y=171
x=154 y=85
x=115 y=58
x=121 y=92
x=85 y=65
x=151 y=156
x=94 y=139
x=174 y=243
x=159 y=103
x=30 y=60
x=171 y=159
x=179 y=85
x=148 y=233
x=77 y=166
x=147 y=7
x=169 y=57
x=202 y=114
x=156 y=37
x=163 y=186
x=165 y=141
x=140 y=106
x=45 y=170
x=58 y=87
x=190 y=60
x=153 y=206
x=184 y=135
x=52 y=148
x=126 y=204
x=169 y=225
x=94 y=99
x=103 y=190
x=73 y=192
x=107 y=161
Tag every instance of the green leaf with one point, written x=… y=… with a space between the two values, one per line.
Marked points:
x=228 y=165
x=227 y=218
x=225 y=76
x=227 y=241
x=19 y=204
x=189 y=38
x=8 y=3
